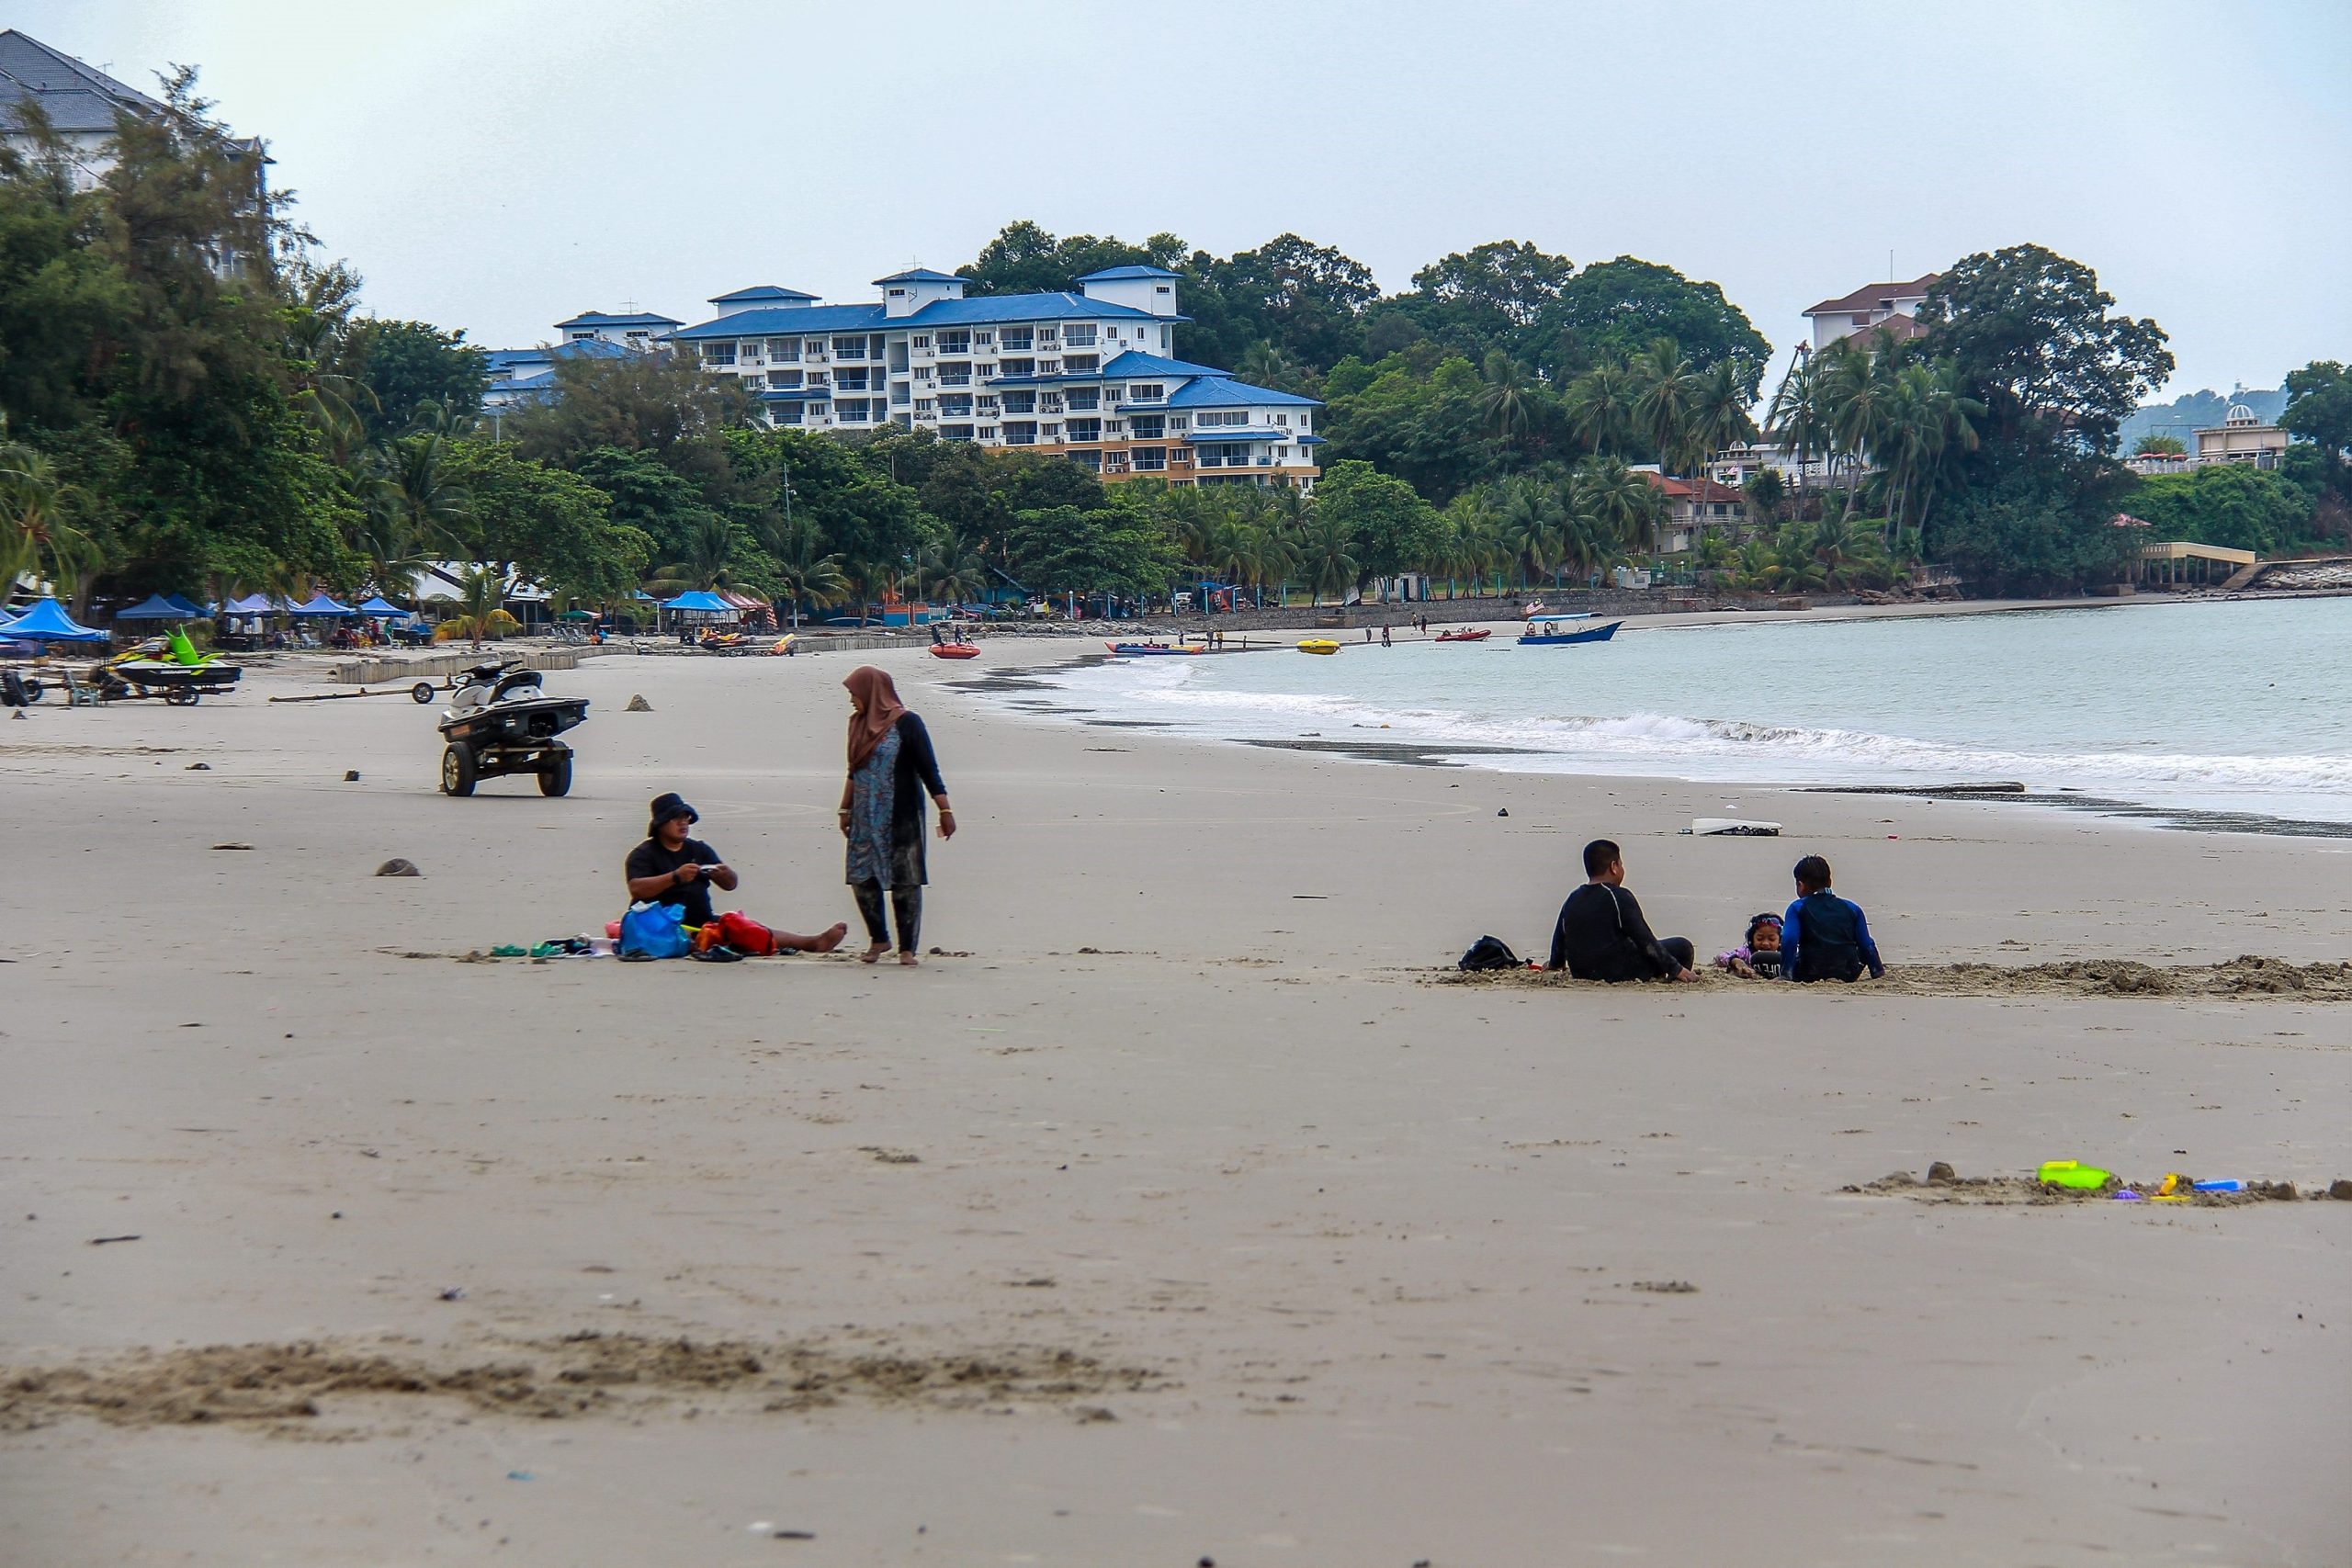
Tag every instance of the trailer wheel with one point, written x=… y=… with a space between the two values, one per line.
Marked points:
x=33 y=690
x=180 y=696
x=421 y=693
x=556 y=777
x=457 y=770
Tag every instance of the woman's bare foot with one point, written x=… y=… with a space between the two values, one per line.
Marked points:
x=909 y=960
x=830 y=939
x=873 y=954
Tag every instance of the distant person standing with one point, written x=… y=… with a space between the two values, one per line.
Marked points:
x=1383 y=635
x=1824 y=937
x=1601 y=934
x=891 y=768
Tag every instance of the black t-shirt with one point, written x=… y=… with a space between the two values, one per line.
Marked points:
x=652 y=859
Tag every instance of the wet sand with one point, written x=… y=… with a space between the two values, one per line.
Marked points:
x=1180 y=1207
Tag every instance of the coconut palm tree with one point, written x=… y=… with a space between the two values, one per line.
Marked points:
x=1794 y=420
x=1327 y=557
x=1664 y=402
x=1530 y=516
x=1508 y=402
x=1626 y=507
x=1719 y=410
x=1600 y=406
x=35 y=532
x=709 y=546
x=481 y=595
x=410 y=482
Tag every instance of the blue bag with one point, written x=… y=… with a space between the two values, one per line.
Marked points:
x=654 y=931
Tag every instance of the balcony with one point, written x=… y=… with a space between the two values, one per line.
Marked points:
x=962 y=380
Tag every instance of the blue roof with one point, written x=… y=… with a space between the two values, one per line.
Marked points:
x=788 y=321
x=920 y=274
x=1218 y=391
x=637 y=318
x=760 y=291
x=793 y=321
x=1111 y=274
x=1134 y=363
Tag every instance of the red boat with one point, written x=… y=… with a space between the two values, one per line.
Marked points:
x=1476 y=634
x=954 y=651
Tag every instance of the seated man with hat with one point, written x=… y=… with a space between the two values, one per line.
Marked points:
x=671 y=868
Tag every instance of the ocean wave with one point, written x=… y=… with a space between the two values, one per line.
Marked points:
x=1727 y=749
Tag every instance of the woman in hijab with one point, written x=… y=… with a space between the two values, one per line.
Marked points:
x=890 y=769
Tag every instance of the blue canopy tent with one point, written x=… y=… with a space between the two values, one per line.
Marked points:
x=321 y=605
x=379 y=606
x=701 y=600
x=47 y=621
x=251 y=605
x=156 y=607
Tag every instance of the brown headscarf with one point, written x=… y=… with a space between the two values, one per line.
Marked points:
x=879 y=709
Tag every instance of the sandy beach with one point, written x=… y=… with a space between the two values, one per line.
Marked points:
x=1180 y=1208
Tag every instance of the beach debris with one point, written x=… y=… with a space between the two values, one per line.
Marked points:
x=398 y=867
x=192 y=768
x=232 y=846
x=1090 y=1412
x=890 y=1156
x=453 y=1293
x=2339 y=1188
x=1732 y=828
x=110 y=1240
x=1941 y=1174
x=351 y=775
x=638 y=704
x=518 y=1475
x=793 y=1535
x=1666 y=1287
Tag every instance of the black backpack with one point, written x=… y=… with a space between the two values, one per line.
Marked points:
x=1490 y=952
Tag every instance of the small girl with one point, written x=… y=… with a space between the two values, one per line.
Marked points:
x=1759 y=955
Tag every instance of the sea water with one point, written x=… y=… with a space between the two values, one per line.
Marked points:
x=2242 y=705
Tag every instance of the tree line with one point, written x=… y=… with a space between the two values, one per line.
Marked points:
x=190 y=400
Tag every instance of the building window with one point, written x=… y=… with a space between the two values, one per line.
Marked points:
x=1017 y=367
x=1081 y=364
x=1090 y=461
x=1085 y=430
x=1148 y=426
x=1021 y=402
x=988 y=405
x=786 y=413
x=898 y=294
x=1207 y=420
x=922 y=340
x=785 y=350
x=926 y=408
x=1080 y=336
x=1149 y=459
x=1282 y=419
x=851 y=412
x=1018 y=339
x=982 y=337
x=988 y=433
x=850 y=348
x=954 y=433
x=719 y=354
x=956 y=343
x=898 y=396
x=1146 y=392
x=1021 y=433
x=1081 y=398
x=754 y=383
x=956 y=406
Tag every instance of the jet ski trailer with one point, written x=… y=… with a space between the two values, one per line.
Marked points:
x=499 y=723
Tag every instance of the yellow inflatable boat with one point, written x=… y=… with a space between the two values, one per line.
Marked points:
x=1319 y=645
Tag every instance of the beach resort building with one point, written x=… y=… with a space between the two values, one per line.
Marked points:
x=2241 y=437
x=1090 y=376
x=1693 y=506
x=528 y=374
x=1893 y=307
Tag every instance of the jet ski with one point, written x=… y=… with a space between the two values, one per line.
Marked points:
x=500 y=721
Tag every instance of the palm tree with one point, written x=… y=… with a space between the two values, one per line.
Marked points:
x=1719 y=410
x=1623 y=502
x=805 y=568
x=1326 y=558
x=34 y=533
x=1855 y=389
x=1530 y=526
x=703 y=558
x=412 y=484
x=1508 y=400
x=1794 y=420
x=1600 y=406
x=1665 y=399
x=482 y=595
x=1265 y=364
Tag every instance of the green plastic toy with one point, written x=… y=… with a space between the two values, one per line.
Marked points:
x=2069 y=1174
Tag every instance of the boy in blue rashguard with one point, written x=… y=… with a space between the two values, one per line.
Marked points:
x=1824 y=937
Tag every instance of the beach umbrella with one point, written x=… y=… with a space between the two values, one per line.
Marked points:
x=156 y=607
x=46 y=621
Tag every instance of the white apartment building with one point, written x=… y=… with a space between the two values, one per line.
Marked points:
x=1892 y=306
x=79 y=101
x=1089 y=375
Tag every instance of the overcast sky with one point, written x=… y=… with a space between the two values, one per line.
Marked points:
x=498 y=165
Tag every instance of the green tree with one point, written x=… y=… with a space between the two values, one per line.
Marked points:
x=550 y=526
x=2231 y=504
x=405 y=364
x=2319 y=409
x=2159 y=446
x=1389 y=527
x=1617 y=309
x=2032 y=338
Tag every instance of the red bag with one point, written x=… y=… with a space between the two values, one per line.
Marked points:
x=745 y=934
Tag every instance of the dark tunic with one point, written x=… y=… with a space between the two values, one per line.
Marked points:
x=914 y=779
x=652 y=859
